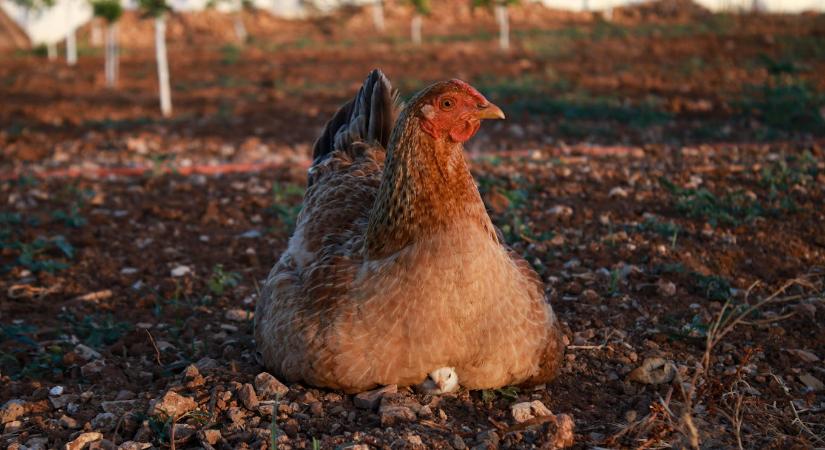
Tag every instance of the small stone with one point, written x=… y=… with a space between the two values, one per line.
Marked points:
x=132 y=445
x=371 y=399
x=55 y=391
x=666 y=288
x=392 y=415
x=653 y=370
x=205 y=364
x=561 y=435
x=804 y=355
x=11 y=410
x=12 y=427
x=317 y=409
x=62 y=400
x=93 y=369
x=192 y=377
x=248 y=397
x=269 y=387
x=104 y=421
x=172 y=404
x=37 y=443
x=525 y=411
x=239 y=315
x=457 y=442
x=617 y=192
x=81 y=441
x=812 y=382
x=561 y=211
x=487 y=439
x=414 y=439
x=68 y=422
x=180 y=271
x=86 y=352
x=210 y=437
x=183 y=432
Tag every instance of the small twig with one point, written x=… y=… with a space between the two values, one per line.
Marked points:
x=804 y=426
x=157 y=352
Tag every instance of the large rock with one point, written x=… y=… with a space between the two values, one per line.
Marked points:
x=248 y=397
x=172 y=404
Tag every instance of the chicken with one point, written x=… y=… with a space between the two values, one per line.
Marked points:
x=440 y=381
x=395 y=268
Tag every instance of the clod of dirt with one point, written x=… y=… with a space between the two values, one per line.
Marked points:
x=269 y=387
x=81 y=441
x=653 y=370
x=371 y=399
x=525 y=411
x=11 y=410
x=172 y=404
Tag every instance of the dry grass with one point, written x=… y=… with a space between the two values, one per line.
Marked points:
x=677 y=423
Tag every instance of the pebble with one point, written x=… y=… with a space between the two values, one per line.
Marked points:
x=172 y=404
x=12 y=427
x=68 y=422
x=86 y=353
x=248 y=397
x=371 y=399
x=239 y=315
x=268 y=387
x=392 y=415
x=132 y=445
x=617 y=191
x=525 y=411
x=11 y=410
x=210 y=437
x=653 y=370
x=104 y=421
x=56 y=390
x=180 y=271
x=81 y=441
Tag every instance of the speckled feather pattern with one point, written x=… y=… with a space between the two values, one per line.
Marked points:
x=395 y=270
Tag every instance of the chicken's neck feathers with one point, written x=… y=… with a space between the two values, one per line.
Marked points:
x=426 y=187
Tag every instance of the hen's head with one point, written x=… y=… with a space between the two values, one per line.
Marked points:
x=453 y=110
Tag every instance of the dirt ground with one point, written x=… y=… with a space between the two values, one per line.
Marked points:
x=661 y=171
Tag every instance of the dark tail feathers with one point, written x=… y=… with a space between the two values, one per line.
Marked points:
x=368 y=118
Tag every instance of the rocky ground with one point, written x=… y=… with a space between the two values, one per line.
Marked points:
x=666 y=179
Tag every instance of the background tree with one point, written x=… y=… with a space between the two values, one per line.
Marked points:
x=238 y=8
x=378 y=15
x=421 y=8
x=502 y=18
x=110 y=11
x=158 y=9
x=71 y=34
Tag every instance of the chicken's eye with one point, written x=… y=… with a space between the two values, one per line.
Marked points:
x=447 y=103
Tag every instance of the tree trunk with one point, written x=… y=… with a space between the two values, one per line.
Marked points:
x=503 y=20
x=240 y=28
x=111 y=55
x=163 y=66
x=71 y=47
x=51 y=50
x=378 y=15
x=415 y=29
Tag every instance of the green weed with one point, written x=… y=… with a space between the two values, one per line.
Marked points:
x=221 y=280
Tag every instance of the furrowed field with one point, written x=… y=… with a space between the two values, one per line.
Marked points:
x=663 y=171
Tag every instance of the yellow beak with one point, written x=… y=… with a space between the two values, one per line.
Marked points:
x=489 y=111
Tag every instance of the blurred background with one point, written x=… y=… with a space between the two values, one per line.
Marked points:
x=230 y=80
